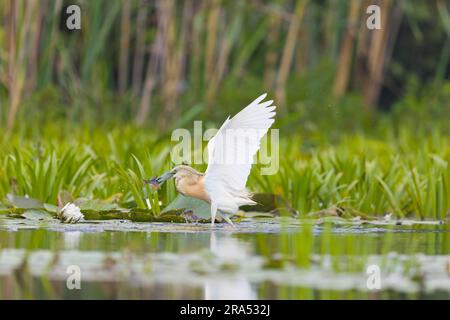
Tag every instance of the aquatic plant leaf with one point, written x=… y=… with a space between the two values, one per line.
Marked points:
x=33 y=214
x=254 y=214
x=96 y=205
x=142 y=215
x=199 y=208
x=103 y=215
x=23 y=202
x=13 y=212
x=51 y=208
x=342 y=212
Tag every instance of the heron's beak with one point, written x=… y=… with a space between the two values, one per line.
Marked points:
x=157 y=182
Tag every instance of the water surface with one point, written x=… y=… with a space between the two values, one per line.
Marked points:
x=259 y=259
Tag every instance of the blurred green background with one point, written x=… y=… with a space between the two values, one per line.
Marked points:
x=163 y=63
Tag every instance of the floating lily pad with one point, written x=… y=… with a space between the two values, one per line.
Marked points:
x=51 y=208
x=146 y=215
x=140 y=215
x=33 y=214
x=342 y=212
x=23 y=213
x=13 y=212
x=103 y=215
x=23 y=202
x=199 y=208
x=254 y=214
x=96 y=205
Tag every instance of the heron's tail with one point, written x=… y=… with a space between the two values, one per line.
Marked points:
x=244 y=197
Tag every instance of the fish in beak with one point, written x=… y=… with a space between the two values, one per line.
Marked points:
x=157 y=182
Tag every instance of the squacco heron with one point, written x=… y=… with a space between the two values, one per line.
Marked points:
x=230 y=158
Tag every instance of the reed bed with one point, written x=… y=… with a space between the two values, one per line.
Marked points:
x=157 y=59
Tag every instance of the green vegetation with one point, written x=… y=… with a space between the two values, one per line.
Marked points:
x=89 y=111
x=405 y=174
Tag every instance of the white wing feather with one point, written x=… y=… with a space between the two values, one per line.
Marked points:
x=231 y=152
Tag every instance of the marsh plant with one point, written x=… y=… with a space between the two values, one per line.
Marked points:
x=405 y=176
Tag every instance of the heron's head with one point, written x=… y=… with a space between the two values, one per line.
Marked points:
x=179 y=172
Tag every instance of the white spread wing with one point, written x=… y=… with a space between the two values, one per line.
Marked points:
x=232 y=149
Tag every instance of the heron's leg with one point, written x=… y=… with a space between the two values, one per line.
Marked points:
x=226 y=217
x=213 y=213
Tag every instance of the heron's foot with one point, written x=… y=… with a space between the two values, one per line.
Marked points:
x=228 y=220
x=217 y=221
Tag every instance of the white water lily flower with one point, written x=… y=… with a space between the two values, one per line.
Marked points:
x=70 y=213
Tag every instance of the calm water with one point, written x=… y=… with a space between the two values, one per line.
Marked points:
x=267 y=259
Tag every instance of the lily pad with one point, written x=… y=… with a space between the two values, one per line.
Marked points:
x=254 y=214
x=199 y=208
x=141 y=215
x=342 y=212
x=13 y=212
x=147 y=215
x=51 y=208
x=23 y=202
x=33 y=214
x=96 y=205
x=103 y=215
